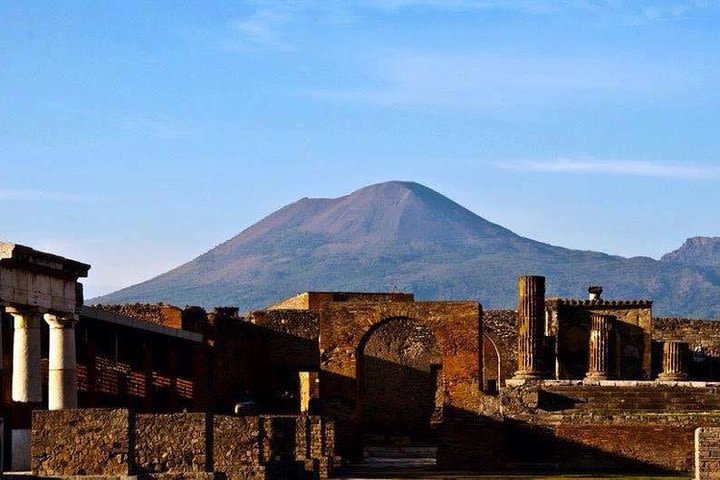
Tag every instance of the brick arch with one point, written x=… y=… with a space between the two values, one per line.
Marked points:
x=456 y=326
x=492 y=362
x=399 y=378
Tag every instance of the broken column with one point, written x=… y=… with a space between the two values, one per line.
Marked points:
x=26 y=381
x=674 y=356
x=62 y=383
x=531 y=326
x=599 y=353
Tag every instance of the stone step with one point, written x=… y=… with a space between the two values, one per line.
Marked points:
x=400 y=452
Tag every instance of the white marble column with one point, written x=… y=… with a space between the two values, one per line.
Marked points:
x=26 y=381
x=62 y=367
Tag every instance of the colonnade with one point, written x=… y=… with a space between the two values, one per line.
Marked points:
x=531 y=333
x=27 y=372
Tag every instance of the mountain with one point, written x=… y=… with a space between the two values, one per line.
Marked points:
x=405 y=236
x=699 y=251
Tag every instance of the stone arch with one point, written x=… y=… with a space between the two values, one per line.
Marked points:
x=399 y=378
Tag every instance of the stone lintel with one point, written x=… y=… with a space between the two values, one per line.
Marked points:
x=26 y=258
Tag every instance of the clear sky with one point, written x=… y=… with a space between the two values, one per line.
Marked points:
x=137 y=135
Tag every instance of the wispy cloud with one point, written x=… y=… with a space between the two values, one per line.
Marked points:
x=269 y=21
x=616 y=167
x=480 y=81
x=263 y=27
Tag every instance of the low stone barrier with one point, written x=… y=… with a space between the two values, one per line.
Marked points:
x=117 y=442
x=81 y=442
x=707 y=454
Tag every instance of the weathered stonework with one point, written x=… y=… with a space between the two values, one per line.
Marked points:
x=81 y=442
x=707 y=453
x=183 y=445
x=236 y=447
x=170 y=443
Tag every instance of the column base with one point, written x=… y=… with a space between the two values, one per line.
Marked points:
x=596 y=377
x=20 y=455
x=672 y=377
x=520 y=375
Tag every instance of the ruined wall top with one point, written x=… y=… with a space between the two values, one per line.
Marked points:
x=554 y=303
x=158 y=313
x=317 y=300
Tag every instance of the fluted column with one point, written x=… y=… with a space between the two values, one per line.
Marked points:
x=62 y=367
x=531 y=323
x=599 y=353
x=26 y=381
x=674 y=356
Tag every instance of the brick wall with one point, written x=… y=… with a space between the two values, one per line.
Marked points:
x=664 y=448
x=707 y=454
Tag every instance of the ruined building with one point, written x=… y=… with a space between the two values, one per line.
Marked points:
x=322 y=379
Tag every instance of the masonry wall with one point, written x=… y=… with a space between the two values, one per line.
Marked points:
x=81 y=442
x=631 y=447
x=707 y=454
x=343 y=328
x=703 y=337
x=570 y=323
x=170 y=443
x=500 y=331
x=97 y=442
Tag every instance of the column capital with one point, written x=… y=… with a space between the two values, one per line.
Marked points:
x=25 y=316
x=23 y=310
x=61 y=321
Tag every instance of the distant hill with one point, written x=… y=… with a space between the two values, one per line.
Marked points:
x=405 y=236
x=699 y=251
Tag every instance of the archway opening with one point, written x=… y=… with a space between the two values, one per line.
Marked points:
x=400 y=383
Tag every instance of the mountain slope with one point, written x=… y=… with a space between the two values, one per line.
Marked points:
x=698 y=251
x=406 y=236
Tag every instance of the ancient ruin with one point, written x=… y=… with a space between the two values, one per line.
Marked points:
x=313 y=384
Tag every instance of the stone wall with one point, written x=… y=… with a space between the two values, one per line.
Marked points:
x=100 y=442
x=236 y=446
x=169 y=443
x=569 y=321
x=632 y=447
x=317 y=300
x=500 y=327
x=81 y=442
x=160 y=313
x=707 y=454
x=703 y=336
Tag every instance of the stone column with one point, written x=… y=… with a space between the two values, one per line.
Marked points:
x=599 y=356
x=674 y=356
x=26 y=381
x=62 y=367
x=531 y=326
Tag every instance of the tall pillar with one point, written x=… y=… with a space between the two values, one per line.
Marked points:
x=674 y=355
x=599 y=355
x=62 y=366
x=26 y=381
x=531 y=326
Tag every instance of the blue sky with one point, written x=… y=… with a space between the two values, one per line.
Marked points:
x=135 y=136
